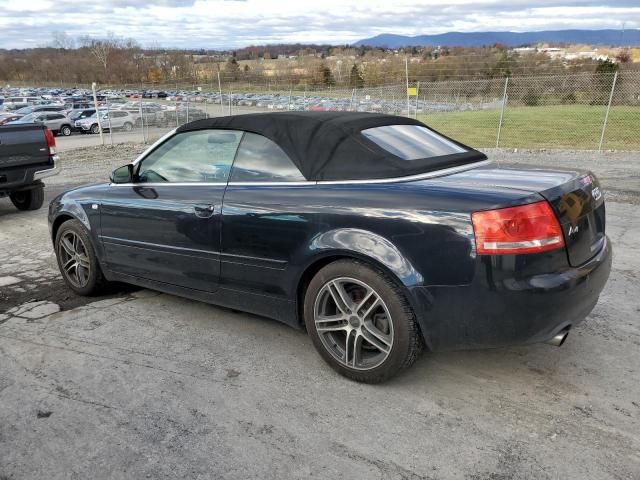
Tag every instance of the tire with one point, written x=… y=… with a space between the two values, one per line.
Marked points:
x=95 y=128
x=83 y=275
x=383 y=329
x=65 y=130
x=28 y=199
x=127 y=127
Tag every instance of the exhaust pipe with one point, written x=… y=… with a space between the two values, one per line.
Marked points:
x=559 y=339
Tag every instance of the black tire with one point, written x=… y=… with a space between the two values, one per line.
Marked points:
x=65 y=130
x=96 y=282
x=28 y=199
x=95 y=128
x=406 y=343
x=128 y=127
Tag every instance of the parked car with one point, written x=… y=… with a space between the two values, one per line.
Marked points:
x=80 y=114
x=8 y=117
x=27 y=155
x=116 y=119
x=40 y=108
x=20 y=100
x=58 y=123
x=375 y=232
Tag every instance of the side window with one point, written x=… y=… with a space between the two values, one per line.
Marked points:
x=261 y=160
x=200 y=156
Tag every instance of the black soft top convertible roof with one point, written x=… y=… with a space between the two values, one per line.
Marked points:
x=330 y=145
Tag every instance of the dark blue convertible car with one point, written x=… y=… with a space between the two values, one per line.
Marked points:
x=380 y=235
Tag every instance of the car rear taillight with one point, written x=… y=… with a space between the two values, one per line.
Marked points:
x=51 y=141
x=528 y=228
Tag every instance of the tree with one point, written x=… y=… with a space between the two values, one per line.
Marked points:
x=100 y=49
x=603 y=80
x=232 y=69
x=624 y=56
x=355 y=78
x=63 y=41
x=323 y=76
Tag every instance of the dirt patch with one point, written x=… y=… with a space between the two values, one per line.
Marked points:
x=58 y=292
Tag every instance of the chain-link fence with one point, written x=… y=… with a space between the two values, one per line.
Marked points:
x=580 y=111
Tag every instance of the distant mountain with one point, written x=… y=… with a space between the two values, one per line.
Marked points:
x=511 y=39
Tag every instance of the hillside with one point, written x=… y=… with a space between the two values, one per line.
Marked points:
x=511 y=39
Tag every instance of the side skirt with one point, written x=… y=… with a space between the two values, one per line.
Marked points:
x=272 y=307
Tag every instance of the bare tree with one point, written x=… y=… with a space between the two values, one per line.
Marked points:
x=63 y=41
x=101 y=49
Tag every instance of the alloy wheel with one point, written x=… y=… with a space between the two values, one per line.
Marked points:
x=74 y=259
x=353 y=323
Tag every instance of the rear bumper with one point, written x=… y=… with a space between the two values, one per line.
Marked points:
x=23 y=178
x=510 y=311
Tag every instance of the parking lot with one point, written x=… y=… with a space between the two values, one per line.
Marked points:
x=139 y=384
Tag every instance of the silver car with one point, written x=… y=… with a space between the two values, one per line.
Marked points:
x=57 y=122
x=119 y=119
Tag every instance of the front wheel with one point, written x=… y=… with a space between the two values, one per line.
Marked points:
x=28 y=199
x=361 y=322
x=77 y=261
x=95 y=128
x=65 y=130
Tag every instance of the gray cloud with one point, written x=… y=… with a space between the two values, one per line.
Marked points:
x=234 y=23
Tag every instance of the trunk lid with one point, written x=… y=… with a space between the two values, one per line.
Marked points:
x=576 y=198
x=579 y=205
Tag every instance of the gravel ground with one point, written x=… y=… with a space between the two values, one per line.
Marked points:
x=139 y=384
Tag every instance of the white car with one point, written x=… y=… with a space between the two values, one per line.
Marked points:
x=116 y=119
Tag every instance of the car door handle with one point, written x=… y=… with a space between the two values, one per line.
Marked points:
x=204 y=211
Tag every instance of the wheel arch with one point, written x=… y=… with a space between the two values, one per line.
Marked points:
x=329 y=257
x=322 y=260
x=57 y=223
x=70 y=211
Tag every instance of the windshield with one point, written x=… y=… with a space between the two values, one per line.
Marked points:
x=412 y=142
x=29 y=118
x=24 y=110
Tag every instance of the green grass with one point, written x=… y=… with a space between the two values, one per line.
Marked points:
x=554 y=126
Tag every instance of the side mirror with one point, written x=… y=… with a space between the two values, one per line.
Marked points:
x=122 y=174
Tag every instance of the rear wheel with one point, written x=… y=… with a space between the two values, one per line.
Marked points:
x=127 y=127
x=65 y=130
x=28 y=199
x=77 y=261
x=360 y=322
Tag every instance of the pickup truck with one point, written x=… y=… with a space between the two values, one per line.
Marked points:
x=27 y=155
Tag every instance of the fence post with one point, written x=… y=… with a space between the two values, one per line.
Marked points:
x=187 y=109
x=606 y=116
x=95 y=104
x=504 y=104
x=417 y=96
x=177 y=120
x=406 y=74
x=353 y=92
x=230 y=95
x=144 y=140
x=304 y=105
x=110 y=129
x=290 y=92
x=220 y=91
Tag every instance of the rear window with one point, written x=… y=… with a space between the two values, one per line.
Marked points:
x=412 y=142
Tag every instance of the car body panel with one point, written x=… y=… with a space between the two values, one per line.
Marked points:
x=164 y=233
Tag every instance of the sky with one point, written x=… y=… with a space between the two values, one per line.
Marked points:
x=222 y=24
